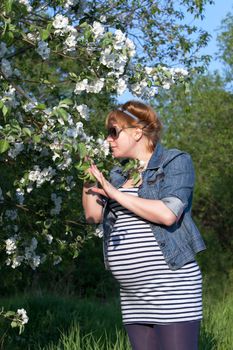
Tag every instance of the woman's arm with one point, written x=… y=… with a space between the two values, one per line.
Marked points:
x=175 y=193
x=149 y=209
x=92 y=204
x=152 y=210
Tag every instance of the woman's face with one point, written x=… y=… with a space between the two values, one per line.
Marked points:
x=122 y=141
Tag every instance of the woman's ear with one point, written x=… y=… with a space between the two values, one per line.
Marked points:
x=138 y=134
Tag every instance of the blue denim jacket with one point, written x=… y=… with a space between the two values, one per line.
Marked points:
x=169 y=174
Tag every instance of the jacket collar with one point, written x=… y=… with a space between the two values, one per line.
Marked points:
x=157 y=157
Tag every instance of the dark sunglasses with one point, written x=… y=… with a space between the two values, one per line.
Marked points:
x=114 y=133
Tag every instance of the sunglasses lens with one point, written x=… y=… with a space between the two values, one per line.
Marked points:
x=113 y=133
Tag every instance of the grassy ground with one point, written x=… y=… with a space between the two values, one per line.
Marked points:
x=66 y=323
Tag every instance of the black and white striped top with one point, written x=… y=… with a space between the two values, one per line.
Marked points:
x=150 y=291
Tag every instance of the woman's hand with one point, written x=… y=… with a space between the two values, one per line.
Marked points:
x=107 y=189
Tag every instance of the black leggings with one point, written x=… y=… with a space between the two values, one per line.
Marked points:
x=173 y=336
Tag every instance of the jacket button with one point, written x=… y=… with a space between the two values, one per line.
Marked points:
x=173 y=264
x=162 y=244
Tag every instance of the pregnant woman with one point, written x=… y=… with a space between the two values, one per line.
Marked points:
x=150 y=239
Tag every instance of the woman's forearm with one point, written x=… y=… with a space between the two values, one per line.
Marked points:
x=149 y=209
x=92 y=205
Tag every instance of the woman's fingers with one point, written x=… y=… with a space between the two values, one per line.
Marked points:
x=99 y=191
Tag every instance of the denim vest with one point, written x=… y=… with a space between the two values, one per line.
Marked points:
x=169 y=173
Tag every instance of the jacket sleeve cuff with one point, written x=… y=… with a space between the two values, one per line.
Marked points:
x=175 y=205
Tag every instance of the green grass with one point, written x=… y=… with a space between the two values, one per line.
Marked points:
x=67 y=323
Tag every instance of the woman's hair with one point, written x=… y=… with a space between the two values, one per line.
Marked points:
x=145 y=118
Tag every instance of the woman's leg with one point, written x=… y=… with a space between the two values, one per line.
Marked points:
x=142 y=336
x=178 y=336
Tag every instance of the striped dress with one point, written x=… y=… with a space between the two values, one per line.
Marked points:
x=150 y=292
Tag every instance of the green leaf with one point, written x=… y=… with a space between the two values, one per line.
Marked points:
x=66 y=101
x=44 y=34
x=8 y=6
x=27 y=132
x=4 y=145
x=36 y=138
x=9 y=313
x=14 y=324
x=82 y=150
x=4 y=110
x=41 y=106
x=62 y=112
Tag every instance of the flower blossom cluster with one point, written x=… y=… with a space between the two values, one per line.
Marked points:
x=43 y=50
x=22 y=315
x=6 y=68
x=11 y=245
x=3 y=49
x=57 y=201
x=11 y=214
x=27 y=4
x=98 y=30
x=30 y=255
x=17 y=148
x=40 y=176
x=9 y=97
x=83 y=111
x=19 y=195
x=94 y=86
x=63 y=28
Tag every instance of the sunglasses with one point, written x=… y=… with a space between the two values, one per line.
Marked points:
x=114 y=133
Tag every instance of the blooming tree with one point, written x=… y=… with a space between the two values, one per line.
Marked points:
x=56 y=57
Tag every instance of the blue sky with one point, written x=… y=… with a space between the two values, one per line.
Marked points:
x=211 y=23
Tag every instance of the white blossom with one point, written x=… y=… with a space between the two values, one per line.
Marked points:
x=98 y=30
x=20 y=195
x=11 y=245
x=103 y=19
x=27 y=4
x=60 y=21
x=130 y=47
x=104 y=146
x=121 y=86
x=81 y=86
x=57 y=260
x=6 y=68
x=9 y=97
x=11 y=214
x=23 y=316
x=32 y=37
x=83 y=111
x=43 y=50
x=16 y=150
x=149 y=70
x=41 y=176
x=34 y=243
x=57 y=201
x=119 y=40
x=29 y=106
x=70 y=3
x=95 y=86
x=99 y=231
x=3 y=49
x=70 y=183
x=49 y=238
x=166 y=85
x=71 y=42
x=67 y=161
x=35 y=261
x=16 y=261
